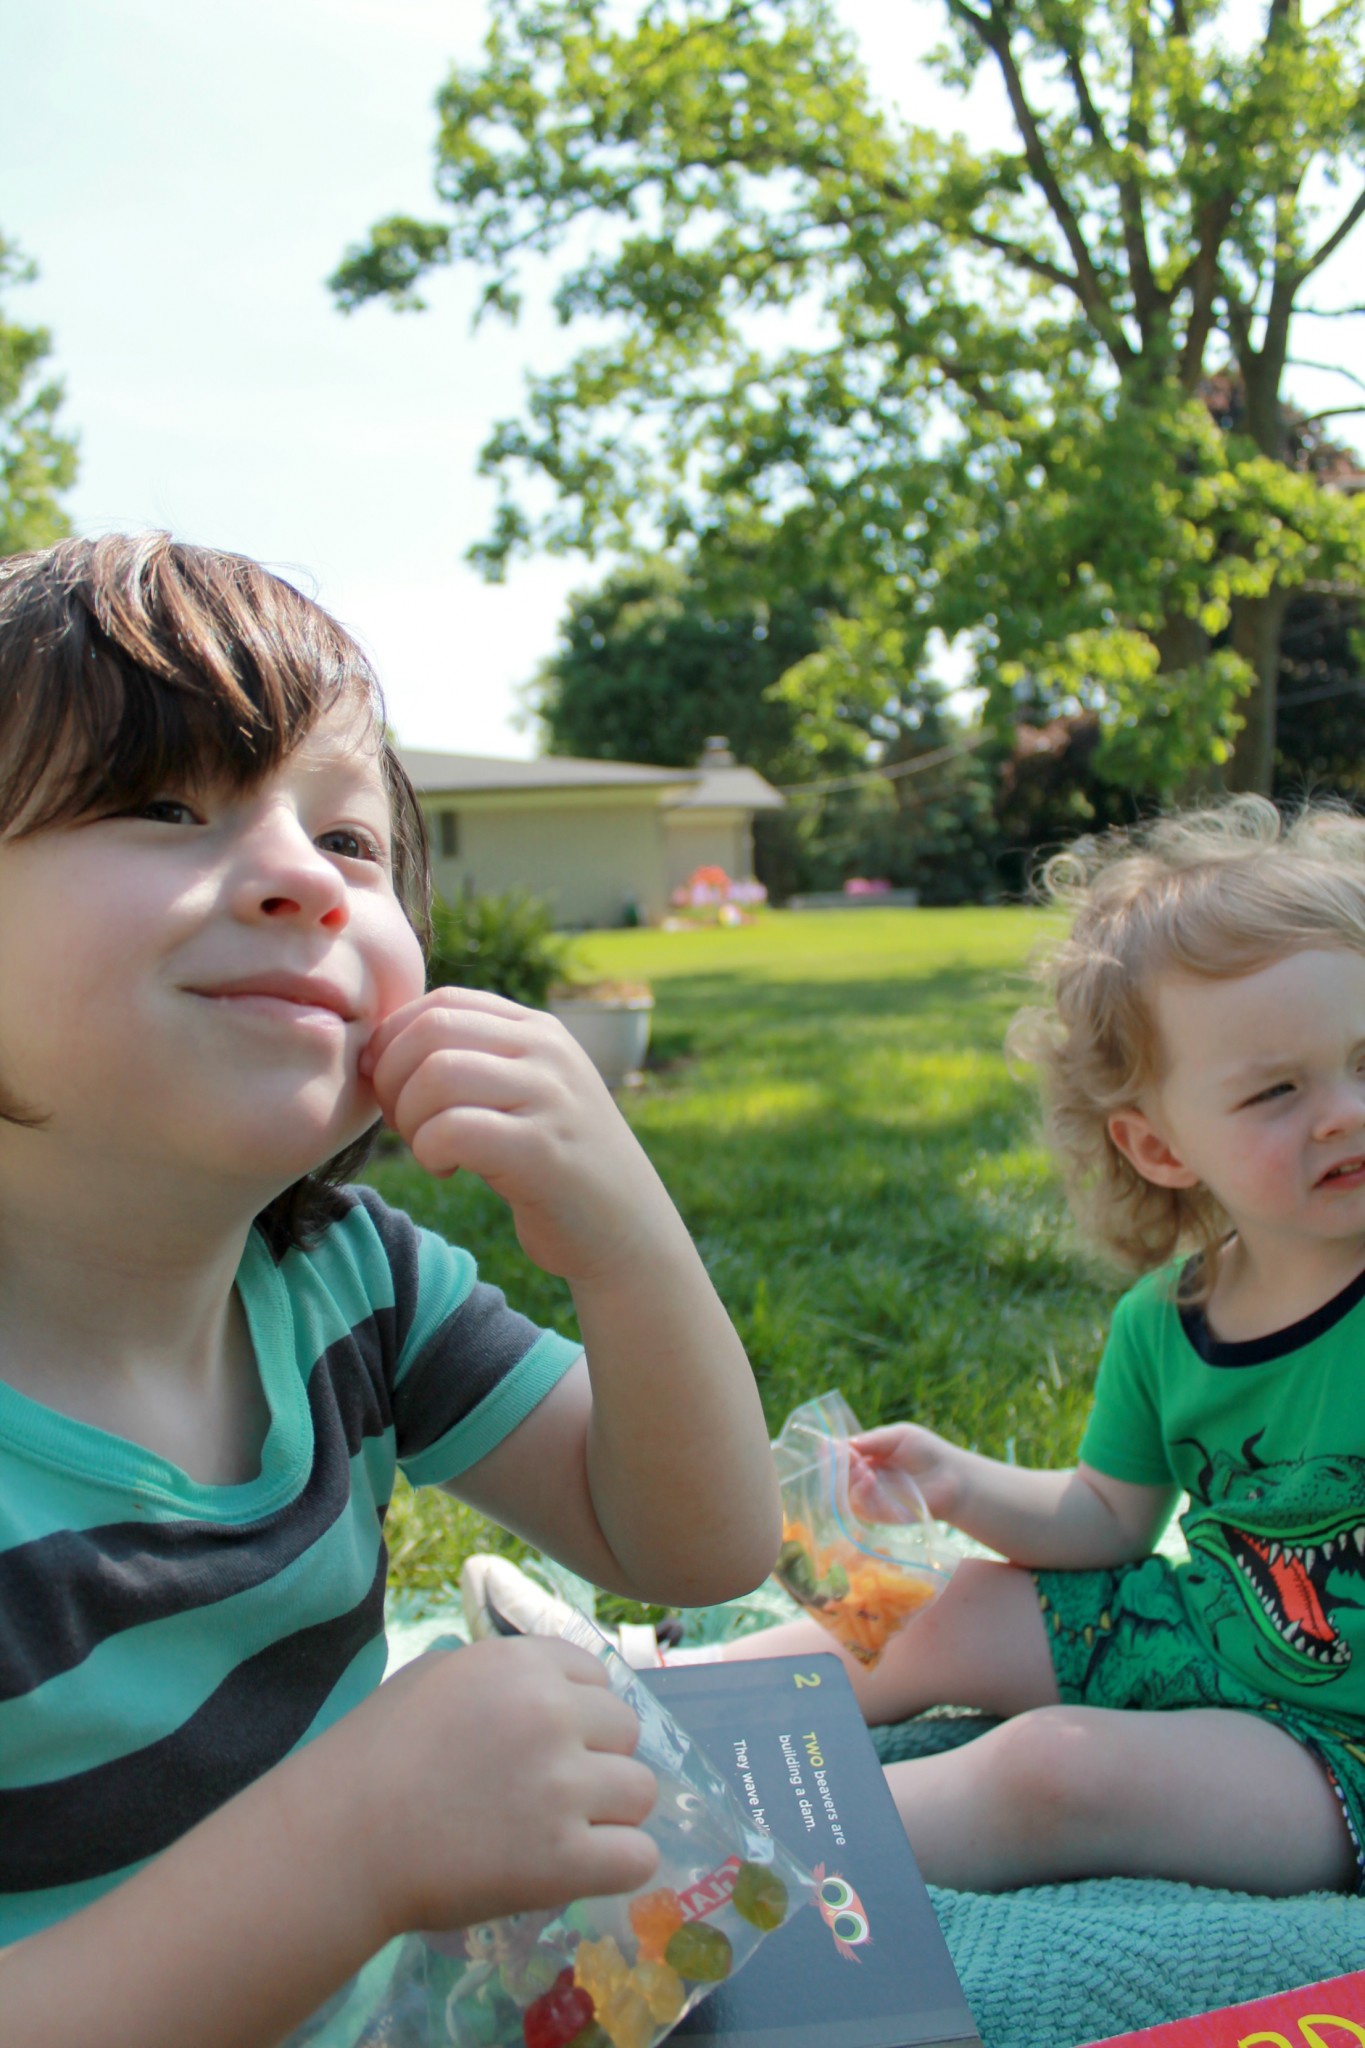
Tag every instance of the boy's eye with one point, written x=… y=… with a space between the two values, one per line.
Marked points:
x=349 y=843
x=167 y=810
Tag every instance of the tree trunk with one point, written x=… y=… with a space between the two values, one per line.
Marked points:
x=1255 y=635
x=1182 y=643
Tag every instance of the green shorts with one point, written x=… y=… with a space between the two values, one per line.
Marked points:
x=1122 y=1638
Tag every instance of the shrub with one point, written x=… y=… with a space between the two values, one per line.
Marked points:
x=506 y=943
x=937 y=836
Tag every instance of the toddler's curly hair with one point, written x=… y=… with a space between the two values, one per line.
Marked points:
x=1212 y=894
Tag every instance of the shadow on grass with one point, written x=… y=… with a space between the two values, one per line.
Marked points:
x=710 y=1012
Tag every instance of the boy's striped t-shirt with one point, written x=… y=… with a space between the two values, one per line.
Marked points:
x=164 y=1642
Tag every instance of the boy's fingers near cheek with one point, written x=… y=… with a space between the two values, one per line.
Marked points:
x=388 y=1028
x=471 y=1008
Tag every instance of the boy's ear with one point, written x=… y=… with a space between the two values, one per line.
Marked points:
x=1143 y=1146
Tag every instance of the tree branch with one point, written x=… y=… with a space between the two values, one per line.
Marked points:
x=1334 y=242
x=1329 y=312
x=1026 y=260
x=994 y=33
x=1146 y=299
x=1263 y=370
x=1239 y=316
x=1203 y=276
x=1332 y=412
x=1332 y=369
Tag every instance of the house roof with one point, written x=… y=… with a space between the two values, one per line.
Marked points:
x=463 y=774
x=694 y=789
x=729 y=789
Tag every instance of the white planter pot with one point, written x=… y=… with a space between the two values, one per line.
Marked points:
x=612 y=1030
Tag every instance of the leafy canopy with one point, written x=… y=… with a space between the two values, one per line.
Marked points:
x=37 y=461
x=651 y=664
x=963 y=387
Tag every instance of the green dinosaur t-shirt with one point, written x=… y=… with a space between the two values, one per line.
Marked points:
x=1268 y=1440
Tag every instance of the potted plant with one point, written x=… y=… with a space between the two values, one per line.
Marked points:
x=610 y=1020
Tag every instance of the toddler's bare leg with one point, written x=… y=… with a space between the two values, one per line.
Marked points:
x=981 y=1644
x=1206 y=1795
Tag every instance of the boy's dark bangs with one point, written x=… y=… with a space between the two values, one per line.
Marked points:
x=132 y=666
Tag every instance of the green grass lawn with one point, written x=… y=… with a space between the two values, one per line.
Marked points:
x=829 y=1104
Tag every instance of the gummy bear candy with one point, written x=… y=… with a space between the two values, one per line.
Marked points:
x=598 y=1968
x=700 y=1953
x=662 y=1990
x=655 y=1918
x=627 y=2018
x=552 y=2020
x=760 y=1897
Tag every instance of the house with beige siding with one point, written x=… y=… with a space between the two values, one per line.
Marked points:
x=599 y=839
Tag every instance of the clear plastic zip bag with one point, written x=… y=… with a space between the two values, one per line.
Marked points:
x=860 y=1550
x=615 y=1972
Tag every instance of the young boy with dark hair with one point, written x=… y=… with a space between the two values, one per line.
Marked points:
x=214 y=1353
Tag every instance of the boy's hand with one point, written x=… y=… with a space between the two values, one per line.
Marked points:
x=497 y=1779
x=469 y=1079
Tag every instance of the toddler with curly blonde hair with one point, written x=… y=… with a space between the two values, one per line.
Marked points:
x=1202 y=1058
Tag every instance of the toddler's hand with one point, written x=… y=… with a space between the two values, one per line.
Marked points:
x=930 y=1460
x=469 y=1079
x=499 y=1778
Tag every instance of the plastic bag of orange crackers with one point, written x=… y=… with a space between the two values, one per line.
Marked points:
x=862 y=1570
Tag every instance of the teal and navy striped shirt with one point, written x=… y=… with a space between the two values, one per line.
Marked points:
x=163 y=1642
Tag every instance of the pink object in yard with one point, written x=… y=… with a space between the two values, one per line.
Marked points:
x=857 y=885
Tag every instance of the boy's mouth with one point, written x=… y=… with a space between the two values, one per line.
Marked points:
x=1349 y=1173
x=297 y=991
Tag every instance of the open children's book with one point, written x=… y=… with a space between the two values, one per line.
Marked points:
x=870 y=1968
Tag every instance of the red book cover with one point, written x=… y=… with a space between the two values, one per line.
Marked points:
x=1329 y=2014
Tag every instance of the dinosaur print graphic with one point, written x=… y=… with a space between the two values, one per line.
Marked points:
x=1283 y=1544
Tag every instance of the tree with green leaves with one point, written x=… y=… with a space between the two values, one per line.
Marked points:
x=651 y=663
x=967 y=388
x=37 y=460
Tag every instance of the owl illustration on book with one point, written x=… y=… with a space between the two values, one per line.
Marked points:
x=843 y=1913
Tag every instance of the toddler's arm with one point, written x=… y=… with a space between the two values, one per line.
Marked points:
x=1070 y=1520
x=476 y=1784
x=650 y=1473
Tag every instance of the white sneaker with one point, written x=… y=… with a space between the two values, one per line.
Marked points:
x=501 y=1600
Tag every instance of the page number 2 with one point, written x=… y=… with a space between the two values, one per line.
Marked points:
x=806 y=1678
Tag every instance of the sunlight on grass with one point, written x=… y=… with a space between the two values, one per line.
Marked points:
x=828 y=1102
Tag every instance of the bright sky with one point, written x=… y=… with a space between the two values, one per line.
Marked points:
x=186 y=176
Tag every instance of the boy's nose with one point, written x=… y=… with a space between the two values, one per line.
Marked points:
x=284 y=875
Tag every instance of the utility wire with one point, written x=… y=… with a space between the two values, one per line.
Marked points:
x=895 y=770
x=891 y=773
x=1352 y=689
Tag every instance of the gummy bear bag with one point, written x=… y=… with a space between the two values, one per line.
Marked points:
x=614 y=1972
x=860 y=1551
